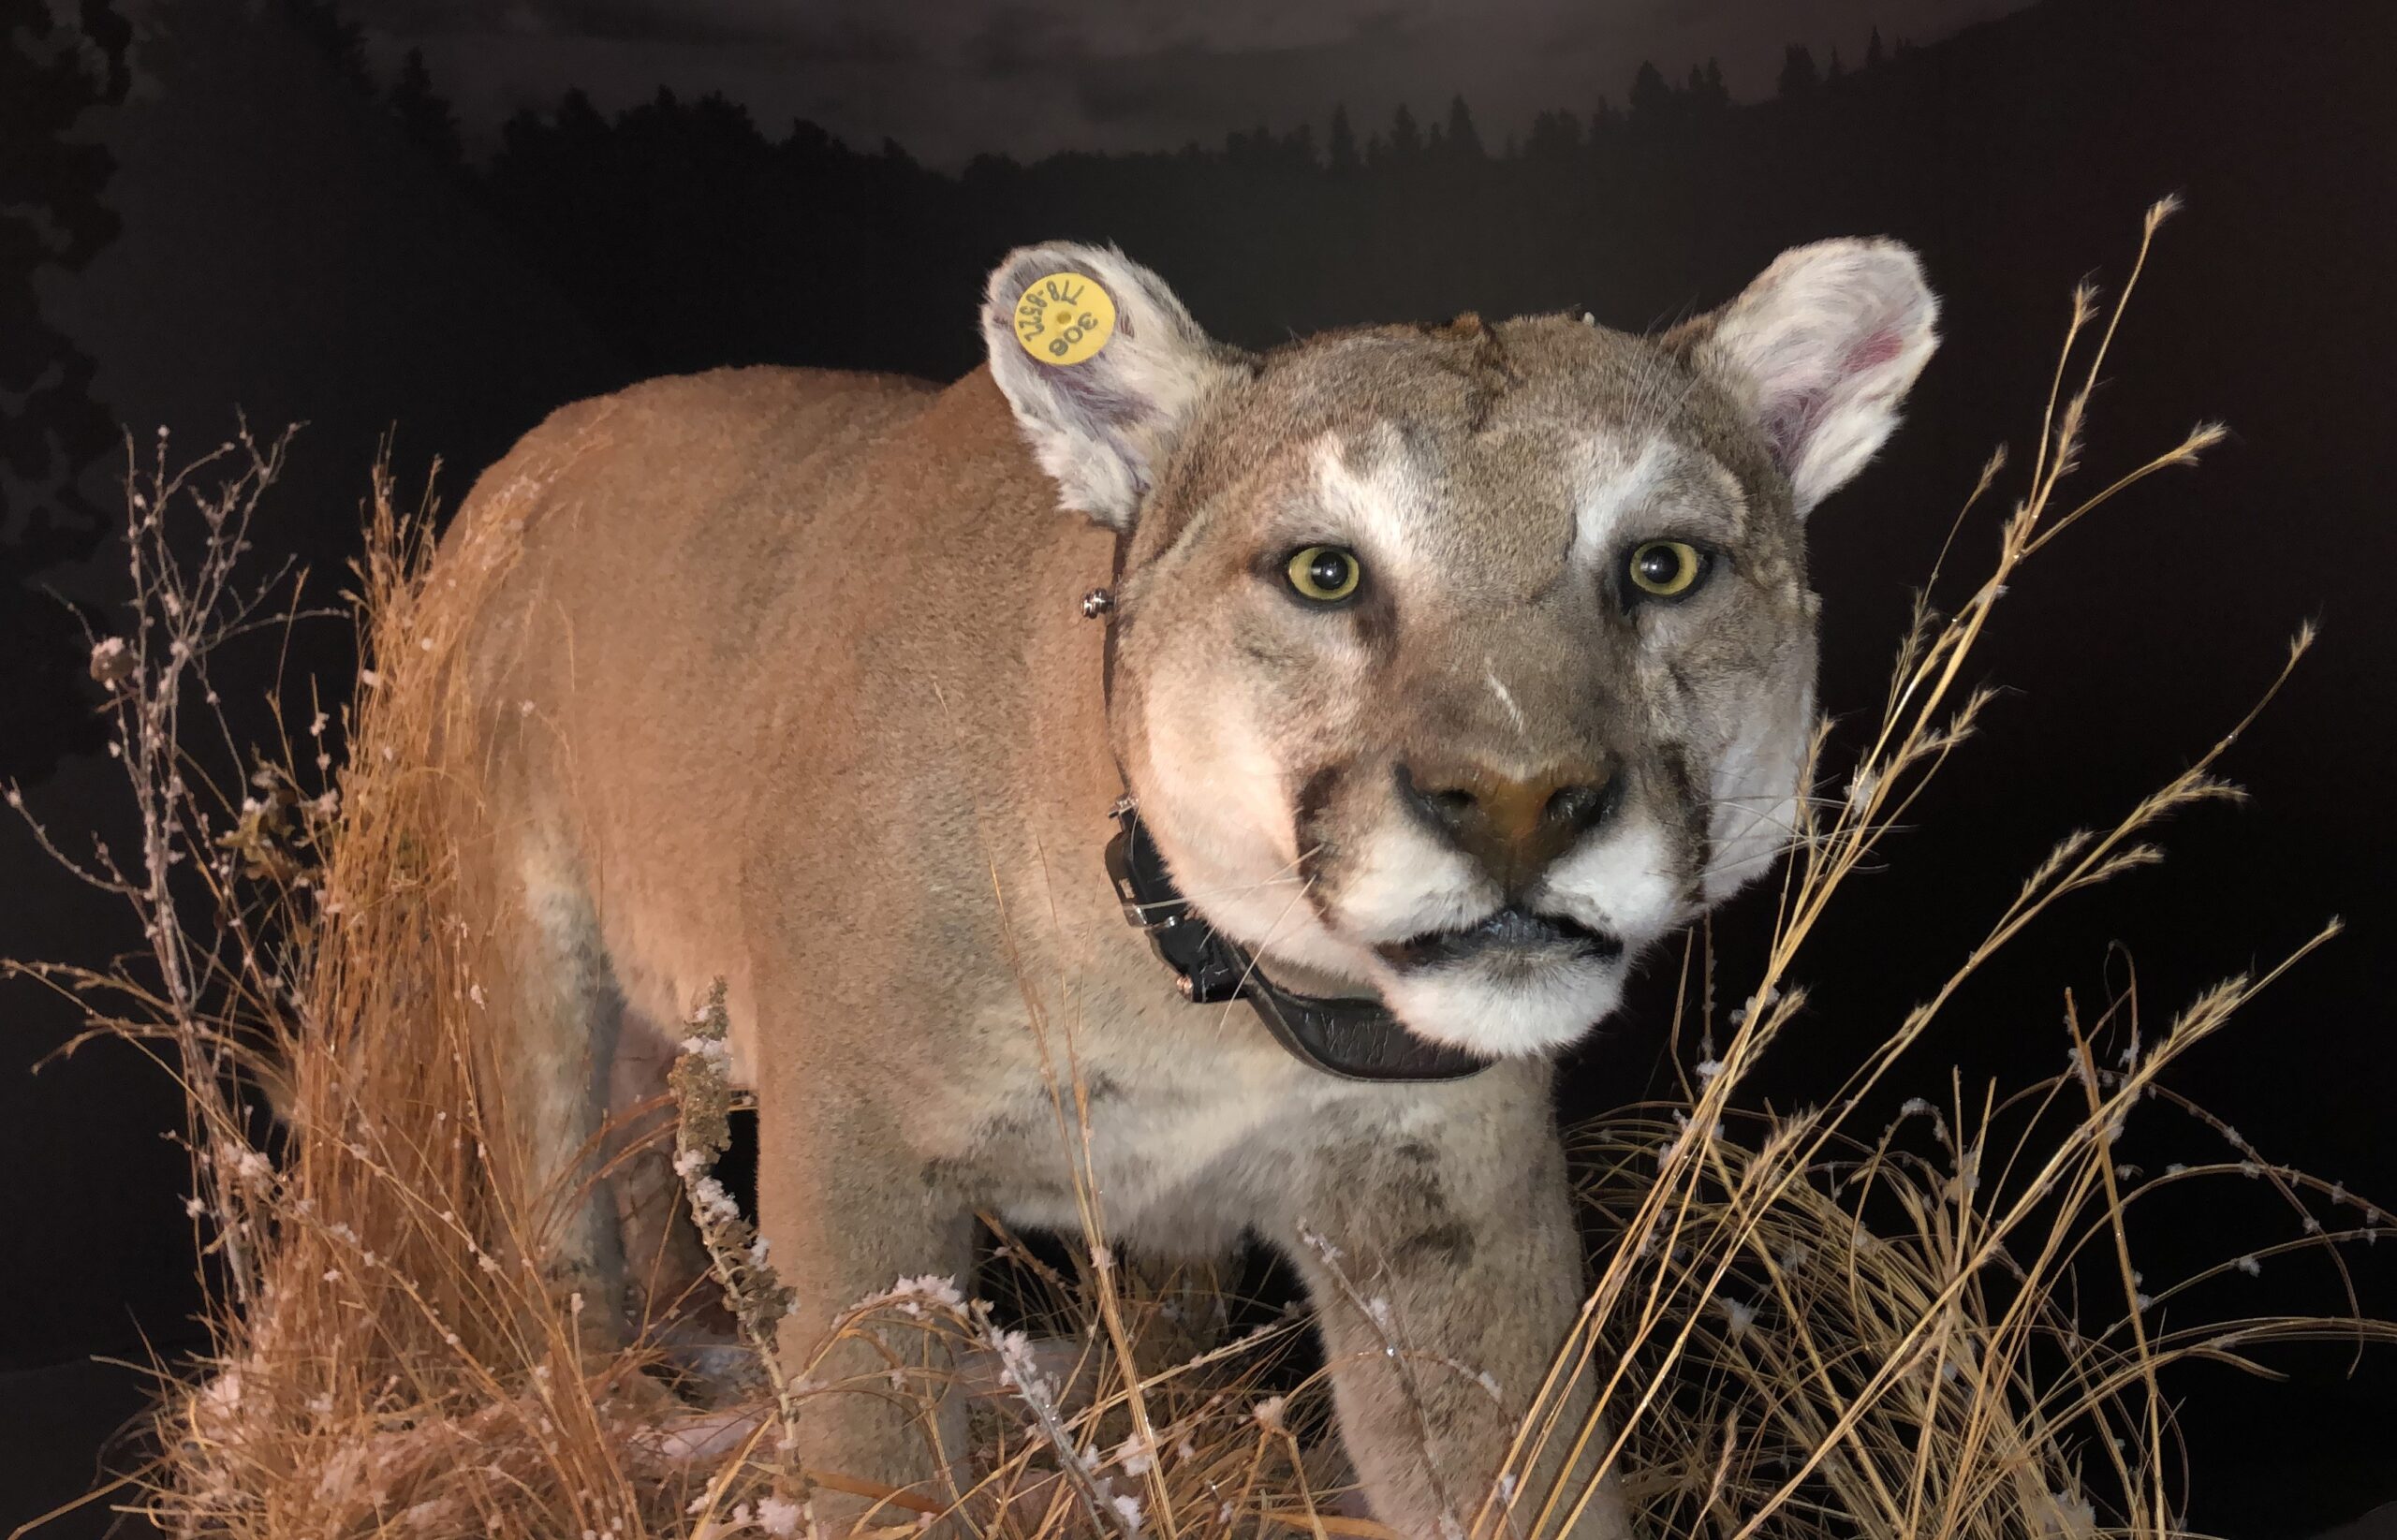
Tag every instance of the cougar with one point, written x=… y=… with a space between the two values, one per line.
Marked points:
x=1297 y=747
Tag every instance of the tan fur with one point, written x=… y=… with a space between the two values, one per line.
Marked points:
x=787 y=684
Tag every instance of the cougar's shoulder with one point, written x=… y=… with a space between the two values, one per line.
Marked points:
x=796 y=634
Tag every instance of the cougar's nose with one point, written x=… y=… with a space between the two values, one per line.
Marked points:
x=1513 y=825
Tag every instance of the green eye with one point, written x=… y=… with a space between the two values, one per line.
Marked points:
x=1667 y=570
x=1325 y=573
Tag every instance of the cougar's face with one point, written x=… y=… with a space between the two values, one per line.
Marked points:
x=1460 y=664
x=1475 y=687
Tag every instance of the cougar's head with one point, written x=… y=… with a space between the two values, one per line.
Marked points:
x=1461 y=663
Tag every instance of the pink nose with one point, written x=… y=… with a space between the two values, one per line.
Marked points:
x=1514 y=826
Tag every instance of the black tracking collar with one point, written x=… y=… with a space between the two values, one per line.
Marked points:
x=1353 y=1039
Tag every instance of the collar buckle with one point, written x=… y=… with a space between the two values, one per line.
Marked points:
x=1206 y=968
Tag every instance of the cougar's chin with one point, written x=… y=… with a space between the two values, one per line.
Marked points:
x=1506 y=998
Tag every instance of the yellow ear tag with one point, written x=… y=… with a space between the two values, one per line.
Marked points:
x=1064 y=318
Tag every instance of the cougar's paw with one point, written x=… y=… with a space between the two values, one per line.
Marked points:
x=707 y=1367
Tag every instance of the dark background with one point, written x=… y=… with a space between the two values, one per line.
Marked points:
x=217 y=205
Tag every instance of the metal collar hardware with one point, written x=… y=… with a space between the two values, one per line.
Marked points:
x=1353 y=1039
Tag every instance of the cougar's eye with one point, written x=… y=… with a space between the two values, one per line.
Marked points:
x=1667 y=570
x=1325 y=573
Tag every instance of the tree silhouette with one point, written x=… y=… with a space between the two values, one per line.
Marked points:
x=1874 y=55
x=1653 y=102
x=1836 y=69
x=1341 y=147
x=338 y=38
x=1405 y=144
x=51 y=430
x=1465 y=139
x=1555 y=137
x=577 y=120
x=1706 y=92
x=1798 y=76
x=425 y=119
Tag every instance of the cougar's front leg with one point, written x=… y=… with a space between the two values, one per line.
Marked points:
x=843 y=1204
x=1436 y=1237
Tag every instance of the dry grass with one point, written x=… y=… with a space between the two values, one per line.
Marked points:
x=1803 y=1329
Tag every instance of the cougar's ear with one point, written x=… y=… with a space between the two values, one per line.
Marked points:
x=1104 y=367
x=1820 y=350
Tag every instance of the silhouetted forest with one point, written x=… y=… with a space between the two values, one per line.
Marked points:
x=693 y=236
x=52 y=217
x=310 y=238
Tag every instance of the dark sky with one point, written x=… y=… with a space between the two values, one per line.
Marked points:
x=947 y=78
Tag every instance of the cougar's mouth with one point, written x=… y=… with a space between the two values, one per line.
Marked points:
x=1509 y=938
